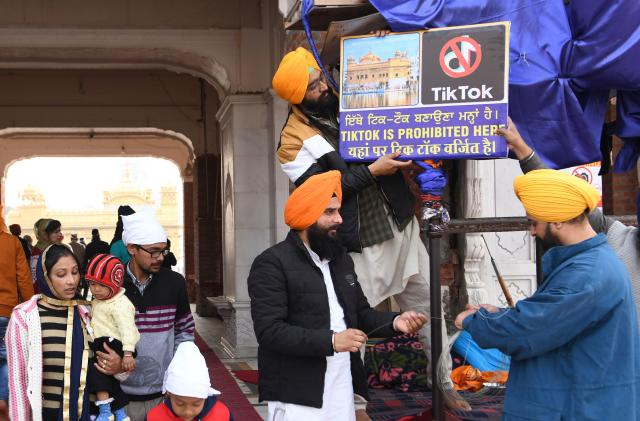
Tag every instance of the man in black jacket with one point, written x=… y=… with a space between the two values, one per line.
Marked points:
x=380 y=229
x=16 y=230
x=310 y=315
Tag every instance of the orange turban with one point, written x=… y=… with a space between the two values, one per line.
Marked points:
x=292 y=77
x=307 y=202
x=555 y=196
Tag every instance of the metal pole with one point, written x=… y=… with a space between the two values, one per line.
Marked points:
x=435 y=235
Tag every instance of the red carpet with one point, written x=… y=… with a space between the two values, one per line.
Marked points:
x=222 y=380
x=247 y=376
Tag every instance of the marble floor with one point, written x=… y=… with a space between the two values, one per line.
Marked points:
x=210 y=329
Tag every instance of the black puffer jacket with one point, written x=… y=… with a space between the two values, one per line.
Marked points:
x=291 y=319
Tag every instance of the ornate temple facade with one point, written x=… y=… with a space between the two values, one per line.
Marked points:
x=372 y=70
x=125 y=192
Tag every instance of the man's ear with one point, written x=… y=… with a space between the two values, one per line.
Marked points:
x=557 y=226
x=131 y=248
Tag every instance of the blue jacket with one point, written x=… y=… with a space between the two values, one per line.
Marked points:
x=574 y=344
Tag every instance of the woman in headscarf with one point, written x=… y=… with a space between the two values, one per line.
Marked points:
x=48 y=345
x=48 y=231
x=118 y=248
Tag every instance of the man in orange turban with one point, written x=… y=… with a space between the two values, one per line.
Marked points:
x=292 y=78
x=379 y=227
x=310 y=314
x=581 y=319
x=307 y=203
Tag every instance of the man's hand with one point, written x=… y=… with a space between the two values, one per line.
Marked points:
x=515 y=142
x=471 y=309
x=380 y=32
x=108 y=362
x=349 y=340
x=490 y=308
x=128 y=362
x=409 y=322
x=387 y=165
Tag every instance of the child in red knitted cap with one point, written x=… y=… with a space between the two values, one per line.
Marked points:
x=113 y=323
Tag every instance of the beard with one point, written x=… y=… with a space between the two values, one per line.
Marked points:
x=325 y=245
x=550 y=240
x=149 y=268
x=326 y=106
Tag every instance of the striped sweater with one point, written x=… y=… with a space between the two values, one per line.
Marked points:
x=163 y=318
x=24 y=358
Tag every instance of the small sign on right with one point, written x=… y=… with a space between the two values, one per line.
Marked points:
x=464 y=65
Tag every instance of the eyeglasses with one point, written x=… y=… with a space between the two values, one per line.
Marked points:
x=316 y=83
x=156 y=254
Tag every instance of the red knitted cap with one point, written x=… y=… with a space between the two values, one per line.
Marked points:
x=107 y=270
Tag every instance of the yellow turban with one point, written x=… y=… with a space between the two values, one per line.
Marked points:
x=555 y=196
x=307 y=203
x=292 y=77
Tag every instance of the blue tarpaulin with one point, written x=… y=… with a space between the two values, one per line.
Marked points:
x=565 y=58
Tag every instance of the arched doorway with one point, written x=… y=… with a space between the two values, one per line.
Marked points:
x=123 y=113
x=183 y=68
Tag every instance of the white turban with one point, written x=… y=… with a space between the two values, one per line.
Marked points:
x=142 y=228
x=188 y=374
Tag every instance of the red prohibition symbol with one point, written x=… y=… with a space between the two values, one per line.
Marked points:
x=460 y=48
x=584 y=173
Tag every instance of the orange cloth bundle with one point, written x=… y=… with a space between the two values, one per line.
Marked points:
x=308 y=201
x=471 y=379
x=292 y=77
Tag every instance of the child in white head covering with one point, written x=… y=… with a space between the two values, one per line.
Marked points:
x=188 y=391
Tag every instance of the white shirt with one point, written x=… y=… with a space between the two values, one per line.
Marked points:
x=337 y=397
x=337 y=313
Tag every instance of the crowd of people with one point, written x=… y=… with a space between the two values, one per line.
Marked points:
x=109 y=332
x=88 y=336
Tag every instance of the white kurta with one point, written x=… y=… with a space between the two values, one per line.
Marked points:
x=385 y=269
x=337 y=399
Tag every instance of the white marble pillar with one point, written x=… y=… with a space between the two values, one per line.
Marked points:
x=478 y=175
x=488 y=192
x=252 y=195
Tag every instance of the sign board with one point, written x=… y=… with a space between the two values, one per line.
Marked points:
x=588 y=172
x=436 y=94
